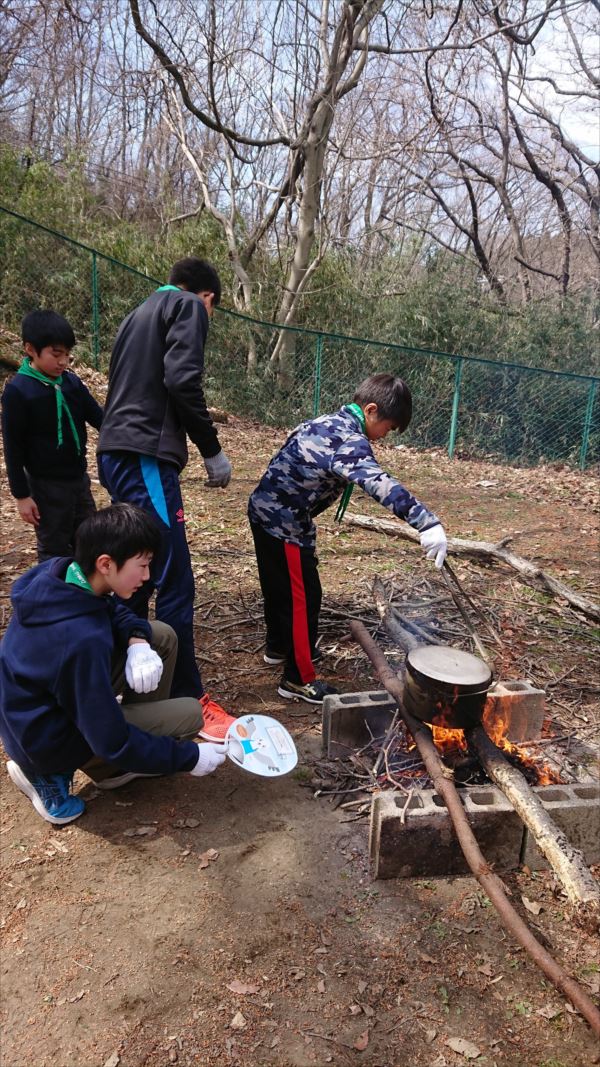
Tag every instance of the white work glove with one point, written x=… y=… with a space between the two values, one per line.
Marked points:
x=218 y=469
x=210 y=756
x=143 y=668
x=434 y=544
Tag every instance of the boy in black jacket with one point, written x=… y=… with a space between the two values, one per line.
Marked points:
x=69 y=649
x=45 y=409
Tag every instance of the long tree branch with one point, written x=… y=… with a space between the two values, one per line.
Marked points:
x=484 y=550
x=171 y=67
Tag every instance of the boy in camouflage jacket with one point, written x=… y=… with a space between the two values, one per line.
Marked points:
x=321 y=460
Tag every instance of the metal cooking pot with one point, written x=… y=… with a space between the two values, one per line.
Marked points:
x=446 y=686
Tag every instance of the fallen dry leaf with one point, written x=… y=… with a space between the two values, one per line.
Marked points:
x=549 y=1012
x=362 y=1041
x=238 y=1022
x=486 y=968
x=361 y=987
x=207 y=857
x=242 y=987
x=58 y=845
x=320 y=986
x=140 y=831
x=113 y=1060
x=355 y=1009
x=463 y=1047
x=531 y=905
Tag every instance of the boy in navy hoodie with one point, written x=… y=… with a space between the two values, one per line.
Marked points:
x=69 y=649
x=45 y=409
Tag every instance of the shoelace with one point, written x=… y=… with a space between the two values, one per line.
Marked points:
x=54 y=787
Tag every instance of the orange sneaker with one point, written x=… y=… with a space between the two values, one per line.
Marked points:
x=216 y=720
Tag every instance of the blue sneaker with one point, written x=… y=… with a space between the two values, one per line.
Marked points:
x=50 y=794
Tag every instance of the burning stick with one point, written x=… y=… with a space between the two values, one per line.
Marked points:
x=490 y=881
x=565 y=860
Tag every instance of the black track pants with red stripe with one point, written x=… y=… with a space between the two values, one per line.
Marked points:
x=291 y=589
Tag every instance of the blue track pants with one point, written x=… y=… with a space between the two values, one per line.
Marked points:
x=154 y=487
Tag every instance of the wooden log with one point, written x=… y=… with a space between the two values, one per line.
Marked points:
x=568 y=862
x=486 y=550
x=484 y=875
x=395 y=629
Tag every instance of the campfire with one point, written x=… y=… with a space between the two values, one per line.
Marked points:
x=399 y=765
x=447 y=687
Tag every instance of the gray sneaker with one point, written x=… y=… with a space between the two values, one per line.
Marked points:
x=115 y=781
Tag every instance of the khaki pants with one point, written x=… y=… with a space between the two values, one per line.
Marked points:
x=155 y=712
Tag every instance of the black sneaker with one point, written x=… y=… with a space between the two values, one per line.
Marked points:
x=311 y=692
x=273 y=658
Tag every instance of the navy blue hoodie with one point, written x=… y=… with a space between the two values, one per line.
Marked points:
x=57 y=707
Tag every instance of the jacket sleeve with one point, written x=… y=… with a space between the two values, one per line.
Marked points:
x=14 y=434
x=354 y=461
x=91 y=408
x=123 y=621
x=84 y=690
x=183 y=369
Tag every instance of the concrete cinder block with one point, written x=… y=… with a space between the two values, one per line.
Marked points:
x=576 y=811
x=520 y=706
x=424 y=844
x=345 y=719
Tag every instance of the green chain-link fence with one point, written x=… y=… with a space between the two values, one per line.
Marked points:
x=470 y=406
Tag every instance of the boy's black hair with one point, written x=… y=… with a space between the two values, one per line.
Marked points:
x=120 y=531
x=198 y=276
x=392 y=396
x=44 y=327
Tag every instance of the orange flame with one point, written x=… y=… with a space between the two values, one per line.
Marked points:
x=447 y=740
x=496 y=726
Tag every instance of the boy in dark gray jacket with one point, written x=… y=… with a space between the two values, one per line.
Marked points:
x=155 y=398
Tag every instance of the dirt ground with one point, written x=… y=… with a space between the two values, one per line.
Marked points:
x=282 y=951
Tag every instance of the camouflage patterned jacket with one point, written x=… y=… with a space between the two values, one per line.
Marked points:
x=312 y=469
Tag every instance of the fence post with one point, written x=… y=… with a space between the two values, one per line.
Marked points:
x=455 y=403
x=587 y=424
x=317 y=385
x=95 y=312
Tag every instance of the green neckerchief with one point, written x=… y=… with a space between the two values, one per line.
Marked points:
x=164 y=288
x=61 y=404
x=75 y=576
x=343 y=504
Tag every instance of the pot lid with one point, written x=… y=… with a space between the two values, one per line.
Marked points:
x=447 y=666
